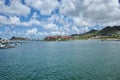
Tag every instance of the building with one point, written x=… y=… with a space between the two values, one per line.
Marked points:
x=4 y=41
x=57 y=38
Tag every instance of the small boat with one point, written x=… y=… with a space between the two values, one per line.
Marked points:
x=5 y=46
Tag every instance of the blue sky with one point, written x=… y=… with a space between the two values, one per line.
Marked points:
x=41 y=18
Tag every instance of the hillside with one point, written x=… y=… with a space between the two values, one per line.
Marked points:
x=86 y=35
x=109 y=32
x=19 y=38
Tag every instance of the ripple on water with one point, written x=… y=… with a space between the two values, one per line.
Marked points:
x=81 y=60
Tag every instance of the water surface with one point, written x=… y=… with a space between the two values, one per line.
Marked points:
x=67 y=60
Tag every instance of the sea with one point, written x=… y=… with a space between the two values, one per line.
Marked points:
x=61 y=60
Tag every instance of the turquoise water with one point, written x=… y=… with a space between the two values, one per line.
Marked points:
x=70 y=60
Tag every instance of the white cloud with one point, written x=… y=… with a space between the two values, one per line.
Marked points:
x=15 y=8
x=53 y=33
x=76 y=16
x=14 y=32
x=91 y=12
x=43 y=33
x=75 y=29
x=31 y=22
x=35 y=33
x=44 y=6
x=32 y=32
x=56 y=33
x=71 y=7
x=2 y=19
x=50 y=26
x=9 y=21
x=15 y=21
x=34 y=16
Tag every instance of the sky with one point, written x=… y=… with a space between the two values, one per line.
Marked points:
x=41 y=18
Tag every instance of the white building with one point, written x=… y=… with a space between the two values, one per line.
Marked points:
x=4 y=41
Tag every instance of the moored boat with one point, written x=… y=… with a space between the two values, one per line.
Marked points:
x=5 y=46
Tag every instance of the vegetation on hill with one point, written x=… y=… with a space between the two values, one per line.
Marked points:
x=109 y=31
x=105 y=33
x=86 y=35
x=19 y=38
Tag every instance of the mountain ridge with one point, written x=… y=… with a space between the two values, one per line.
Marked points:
x=108 y=31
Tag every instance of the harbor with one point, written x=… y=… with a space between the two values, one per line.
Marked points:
x=5 y=44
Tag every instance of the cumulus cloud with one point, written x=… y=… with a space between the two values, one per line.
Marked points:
x=53 y=33
x=9 y=21
x=31 y=22
x=75 y=29
x=35 y=33
x=56 y=33
x=15 y=21
x=15 y=8
x=43 y=33
x=44 y=6
x=72 y=16
x=91 y=12
x=50 y=26
x=32 y=31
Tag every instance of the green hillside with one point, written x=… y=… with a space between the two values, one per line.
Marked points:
x=108 y=32
x=86 y=35
x=18 y=38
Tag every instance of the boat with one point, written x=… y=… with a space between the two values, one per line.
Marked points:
x=5 y=46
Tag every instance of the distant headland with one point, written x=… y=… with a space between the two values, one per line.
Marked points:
x=18 y=38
